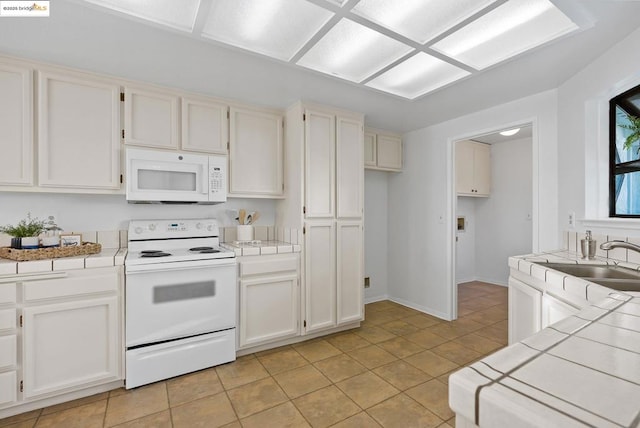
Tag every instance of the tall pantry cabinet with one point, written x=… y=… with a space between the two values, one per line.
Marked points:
x=325 y=187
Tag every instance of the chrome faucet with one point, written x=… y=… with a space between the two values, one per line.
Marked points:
x=610 y=245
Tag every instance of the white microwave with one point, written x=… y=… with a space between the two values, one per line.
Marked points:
x=155 y=176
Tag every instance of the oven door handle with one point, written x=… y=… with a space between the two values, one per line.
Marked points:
x=189 y=265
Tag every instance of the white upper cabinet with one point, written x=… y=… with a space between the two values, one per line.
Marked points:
x=349 y=168
x=382 y=150
x=256 y=153
x=204 y=125
x=389 y=152
x=473 y=168
x=150 y=117
x=16 y=125
x=320 y=142
x=370 y=149
x=78 y=131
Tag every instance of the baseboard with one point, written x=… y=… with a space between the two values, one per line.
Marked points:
x=426 y=310
x=493 y=281
x=372 y=299
x=480 y=279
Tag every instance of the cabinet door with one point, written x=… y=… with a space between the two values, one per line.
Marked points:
x=204 y=126
x=78 y=132
x=320 y=143
x=370 y=151
x=320 y=275
x=269 y=308
x=389 y=152
x=350 y=271
x=464 y=167
x=525 y=310
x=349 y=168
x=8 y=387
x=554 y=310
x=150 y=118
x=256 y=153
x=69 y=345
x=482 y=169
x=16 y=125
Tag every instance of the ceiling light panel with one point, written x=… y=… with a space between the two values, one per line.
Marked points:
x=419 y=20
x=353 y=52
x=508 y=30
x=276 y=28
x=417 y=75
x=179 y=15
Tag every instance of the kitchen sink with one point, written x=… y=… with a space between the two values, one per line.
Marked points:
x=614 y=277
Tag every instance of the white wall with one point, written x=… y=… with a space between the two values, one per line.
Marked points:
x=421 y=201
x=375 y=234
x=75 y=212
x=583 y=132
x=466 y=243
x=503 y=221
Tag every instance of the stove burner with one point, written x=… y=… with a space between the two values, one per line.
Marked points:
x=200 y=248
x=154 y=254
x=150 y=251
x=209 y=251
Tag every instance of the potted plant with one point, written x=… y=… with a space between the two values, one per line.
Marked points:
x=634 y=127
x=25 y=233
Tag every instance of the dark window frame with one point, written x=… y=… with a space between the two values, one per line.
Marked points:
x=617 y=168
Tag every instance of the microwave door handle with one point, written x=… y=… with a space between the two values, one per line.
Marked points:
x=205 y=180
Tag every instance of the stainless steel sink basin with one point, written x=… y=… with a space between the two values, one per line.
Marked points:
x=614 y=277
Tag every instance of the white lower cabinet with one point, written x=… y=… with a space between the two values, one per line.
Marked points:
x=70 y=344
x=350 y=271
x=320 y=275
x=269 y=299
x=68 y=339
x=525 y=309
x=532 y=309
x=554 y=310
x=8 y=387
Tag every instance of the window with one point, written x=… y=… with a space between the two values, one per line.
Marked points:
x=624 y=154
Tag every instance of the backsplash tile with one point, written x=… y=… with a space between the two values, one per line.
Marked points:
x=617 y=255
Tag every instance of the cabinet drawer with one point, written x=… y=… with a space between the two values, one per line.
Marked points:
x=82 y=282
x=8 y=293
x=262 y=265
x=8 y=353
x=8 y=387
x=7 y=319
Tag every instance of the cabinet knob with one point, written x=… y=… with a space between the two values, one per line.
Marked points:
x=138 y=229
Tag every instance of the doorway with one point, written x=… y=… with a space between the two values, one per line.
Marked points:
x=491 y=226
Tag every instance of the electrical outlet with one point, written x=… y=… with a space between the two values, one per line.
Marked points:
x=367 y=282
x=572 y=220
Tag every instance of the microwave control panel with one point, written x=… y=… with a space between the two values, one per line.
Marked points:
x=216 y=180
x=218 y=177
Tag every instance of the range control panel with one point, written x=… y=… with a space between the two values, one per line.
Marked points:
x=159 y=229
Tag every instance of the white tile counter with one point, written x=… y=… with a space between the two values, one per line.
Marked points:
x=261 y=248
x=581 y=371
x=107 y=257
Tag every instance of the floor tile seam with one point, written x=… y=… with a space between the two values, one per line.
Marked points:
x=306 y=393
x=226 y=393
x=336 y=386
x=415 y=401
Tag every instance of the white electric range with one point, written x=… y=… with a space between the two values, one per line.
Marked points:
x=180 y=299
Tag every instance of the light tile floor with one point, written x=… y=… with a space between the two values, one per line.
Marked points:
x=391 y=372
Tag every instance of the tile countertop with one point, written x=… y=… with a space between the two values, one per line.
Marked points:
x=581 y=371
x=256 y=248
x=107 y=257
